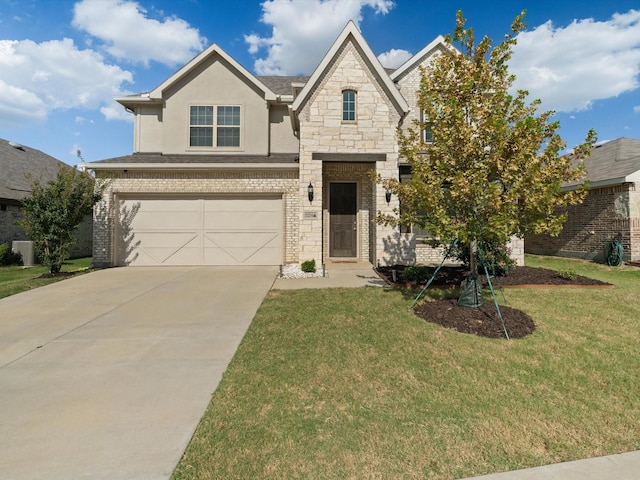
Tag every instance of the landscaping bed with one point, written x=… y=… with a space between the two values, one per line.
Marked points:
x=483 y=321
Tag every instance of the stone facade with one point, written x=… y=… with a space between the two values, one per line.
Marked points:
x=322 y=130
x=207 y=182
x=607 y=214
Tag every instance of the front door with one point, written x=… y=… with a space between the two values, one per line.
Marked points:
x=343 y=224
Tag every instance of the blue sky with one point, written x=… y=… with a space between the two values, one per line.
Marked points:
x=62 y=61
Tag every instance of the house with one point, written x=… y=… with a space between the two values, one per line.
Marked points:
x=611 y=210
x=19 y=166
x=235 y=169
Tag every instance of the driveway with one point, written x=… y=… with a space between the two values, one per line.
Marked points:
x=106 y=375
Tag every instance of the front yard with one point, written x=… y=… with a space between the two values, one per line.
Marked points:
x=17 y=279
x=348 y=383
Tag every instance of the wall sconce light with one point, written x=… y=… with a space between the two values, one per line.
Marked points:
x=310 y=192
x=387 y=196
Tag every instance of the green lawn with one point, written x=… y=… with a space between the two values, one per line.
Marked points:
x=19 y=279
x=347 y=383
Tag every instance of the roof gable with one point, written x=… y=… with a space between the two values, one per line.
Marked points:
x=157 y=93
x=438 y=44
x=350 y=34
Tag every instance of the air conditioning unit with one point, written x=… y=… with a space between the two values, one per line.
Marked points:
x=24 y=248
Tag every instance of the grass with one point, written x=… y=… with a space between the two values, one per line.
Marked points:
x=347 y=383
x=19 y=279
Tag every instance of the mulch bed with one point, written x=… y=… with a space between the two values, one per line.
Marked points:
x=484 y=321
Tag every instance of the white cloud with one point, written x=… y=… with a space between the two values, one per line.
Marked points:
x=115 y=111
x=36 y=78
x=394 y=58
x=303 y=30
x=636 y=109
x=570 y=67
x=130 y=35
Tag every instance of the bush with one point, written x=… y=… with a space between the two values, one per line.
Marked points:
x=309 y=266
x=497 y=257
x=570 y=275
x=417 y=273
x=7 y=257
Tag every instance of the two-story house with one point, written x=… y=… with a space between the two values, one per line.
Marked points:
x=230 y=168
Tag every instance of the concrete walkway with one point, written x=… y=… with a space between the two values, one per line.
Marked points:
x=339 y=274
x=106 y=375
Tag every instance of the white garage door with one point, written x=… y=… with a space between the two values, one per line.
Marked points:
x=230 y=230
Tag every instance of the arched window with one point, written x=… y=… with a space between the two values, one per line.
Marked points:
x=348 y=106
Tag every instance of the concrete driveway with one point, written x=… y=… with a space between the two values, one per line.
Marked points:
x=106 y=375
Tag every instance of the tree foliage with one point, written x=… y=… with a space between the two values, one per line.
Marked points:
x=493 y=169
x=54 y=211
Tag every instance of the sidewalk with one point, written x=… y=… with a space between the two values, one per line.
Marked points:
x=625 y=466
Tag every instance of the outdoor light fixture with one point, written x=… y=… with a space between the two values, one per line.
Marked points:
x=310 y=192
x=387 y=196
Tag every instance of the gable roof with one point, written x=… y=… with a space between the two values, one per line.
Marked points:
x=437 y=44
x=155 y=95
x=352 y=33
x=19 y=164
x=613 y=163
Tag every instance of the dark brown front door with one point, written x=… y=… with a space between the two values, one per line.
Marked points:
x=343 y=225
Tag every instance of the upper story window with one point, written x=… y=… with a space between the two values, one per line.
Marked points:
x=349 y=106
x=214 y=125
x=427 y=132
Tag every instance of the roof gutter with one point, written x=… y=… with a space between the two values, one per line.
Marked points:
x=188 y=166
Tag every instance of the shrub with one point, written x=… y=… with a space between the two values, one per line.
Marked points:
x=309 y=266
x=570 y=275
x=417 y=273
x=7 y=257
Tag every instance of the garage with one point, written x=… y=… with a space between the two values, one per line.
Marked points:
x=189 y=230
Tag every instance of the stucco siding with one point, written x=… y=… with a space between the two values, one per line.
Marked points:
x=282 y=138
x=213 y=82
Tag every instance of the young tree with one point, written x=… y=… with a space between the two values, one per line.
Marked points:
x=54 y=211
x=492 y=168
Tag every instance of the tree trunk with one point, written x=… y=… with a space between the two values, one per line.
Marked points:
x=471 y=288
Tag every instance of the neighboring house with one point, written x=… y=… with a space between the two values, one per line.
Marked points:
x=235 y=169
x=19 y=166
x=610 y=211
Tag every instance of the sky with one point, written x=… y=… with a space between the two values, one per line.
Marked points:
x=62 y=61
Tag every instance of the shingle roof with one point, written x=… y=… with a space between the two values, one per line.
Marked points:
x=19 y=165
x=613 y=161
x=281 y=85
x=149 y=158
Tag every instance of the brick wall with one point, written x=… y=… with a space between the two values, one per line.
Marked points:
x=283 y=183
x=10 y=231
x=606 y=214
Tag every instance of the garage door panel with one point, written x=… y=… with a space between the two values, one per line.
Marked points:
x=199 y=231
x=241 y=221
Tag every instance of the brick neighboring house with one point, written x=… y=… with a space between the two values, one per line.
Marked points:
x=610 y=211
x=18 y=165
x=235 y=169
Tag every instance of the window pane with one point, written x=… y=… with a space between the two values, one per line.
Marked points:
x=428 y=133
x=349 y=105
x=228 y=115
x=201 y=115
x=228 y=137
x=201 y=137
